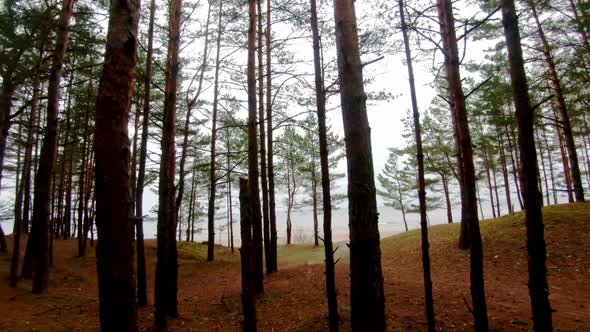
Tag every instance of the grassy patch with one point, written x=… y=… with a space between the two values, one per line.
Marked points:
x=576 y=218
x=300 y=254
x=198 y=252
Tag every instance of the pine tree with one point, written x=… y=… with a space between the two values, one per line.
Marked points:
x=366 y=279
x=114 y=252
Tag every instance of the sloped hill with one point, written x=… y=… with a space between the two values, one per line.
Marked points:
x=567 y=233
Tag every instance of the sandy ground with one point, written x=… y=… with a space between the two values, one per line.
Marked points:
x=294 y=300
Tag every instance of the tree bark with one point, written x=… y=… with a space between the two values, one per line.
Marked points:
x=18 y=221
x=27 y=269
x=212 y=179
x=81 y=186
x=252 y=152
x=564 y=160
x=114 y=252
x=269 y=130
x=191 y=202
x=165 y=294
x=147 y=83
x=230 y=221
x=47 y=158
x=487 y=167
x=6 y=94
x=70 y=157
x=515 y=165
x=402 y=205
x=87 y=195
x=538 y=286
x=263 y=178
x=428 y=300
x=290 y=194
x=366 y=278
x=314 y=203
x=320 y=95
x=58 y=222
x=447 y=199
x=551 y=172
x=21 y=211
x=457 y=98
x=543 y=169
x=504 y=172
x=190 y=106
x=246 y=256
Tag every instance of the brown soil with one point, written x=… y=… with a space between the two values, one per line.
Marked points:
x=209 y=293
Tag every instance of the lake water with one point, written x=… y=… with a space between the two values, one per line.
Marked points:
x=390 y=223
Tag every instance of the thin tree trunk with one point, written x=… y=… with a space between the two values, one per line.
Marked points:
x=179 y=225
x=6 y=94
x=34 y=168
x=81 y=186
x=64 y=201
x=135 y=152
x=486 y=162
x=504 y=172
x=405 y=221
x=585 y=156
x=540 y=142
x=447 y=26
x=314 y=199
x=147 y=83
x=59 y=220
x=263 y=178
x=585 y=140
x=495 y=183
x=551 y=172
x=564 y=160
x=252 y=152
x=320 y=94
x=47 y=159
x=269 y=137
x=478 y=195
x=227 y=210
x=212 y=165
x=289 y=199
x=18 y=204
x=231 y=221
x=428 y=300
x=366 y=278
x=114 y=252
x=445 y=182
x=18 y=225
x=230 y=235
x=27 y=269
x=166 y=288
x=191 y=202
x=190 y=107
x=514 y=163
x=247 y=251
x=68 y=219
x=563 y=112
x=538 y=286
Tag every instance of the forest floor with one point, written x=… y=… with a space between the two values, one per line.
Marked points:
x=294 y=300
